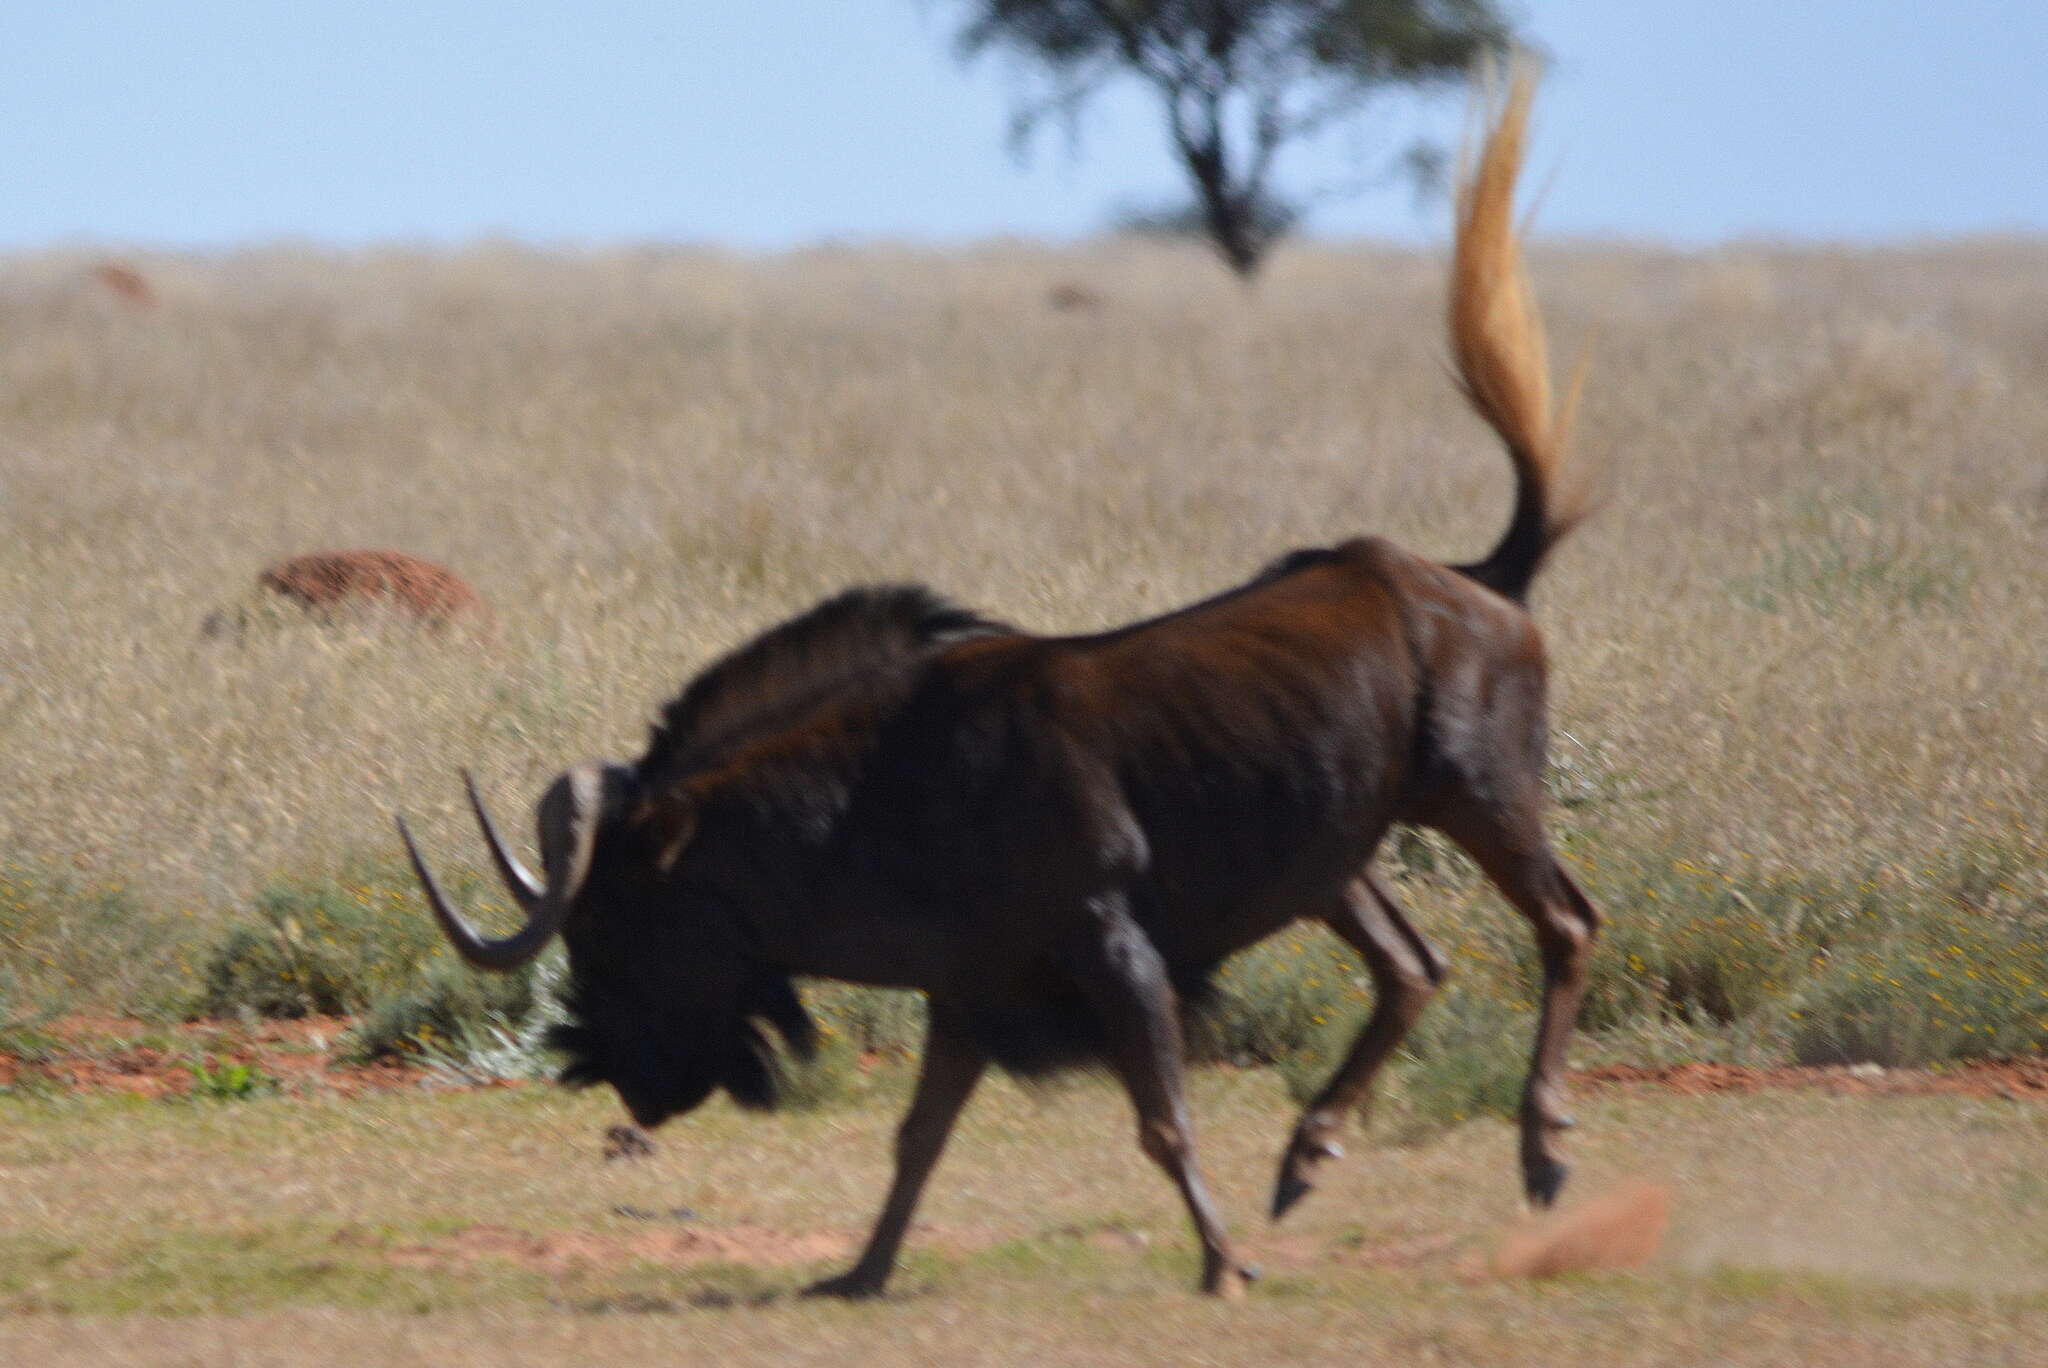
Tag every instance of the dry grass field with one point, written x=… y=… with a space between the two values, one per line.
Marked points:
x=1805 y=632
x=485 y=1228
x=1800 y=647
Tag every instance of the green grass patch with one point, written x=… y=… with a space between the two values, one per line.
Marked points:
x=1829 y=574
x=328 y=946
x=228 y=1081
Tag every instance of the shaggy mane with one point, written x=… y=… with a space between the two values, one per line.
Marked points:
x=862 y=633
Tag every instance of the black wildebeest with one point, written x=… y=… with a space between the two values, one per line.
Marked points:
x=1058 y=838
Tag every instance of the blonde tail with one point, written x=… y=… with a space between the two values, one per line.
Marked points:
x=1502 y=365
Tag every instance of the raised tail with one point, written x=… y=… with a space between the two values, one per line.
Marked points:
x=1502 y=362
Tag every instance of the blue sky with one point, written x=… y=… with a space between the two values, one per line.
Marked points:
x=780 y=122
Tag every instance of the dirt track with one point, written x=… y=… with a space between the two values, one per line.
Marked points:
x=123 y=1055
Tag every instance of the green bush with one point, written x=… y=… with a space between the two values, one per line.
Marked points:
x=214 y=1081
x=1946 y=962
x=68 y=944
x=888 y=1022
x=1685 y=944
x=326 y=947
x=1280 y=1001
x=1467 y=1057
x=1927 y=996
x=454 y=1016
x=21 y=1028
x=831 y=1076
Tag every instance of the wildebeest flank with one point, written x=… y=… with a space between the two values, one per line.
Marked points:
x=1058 y=839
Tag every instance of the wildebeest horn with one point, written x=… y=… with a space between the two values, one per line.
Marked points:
x=526 y=890
x=570 y=812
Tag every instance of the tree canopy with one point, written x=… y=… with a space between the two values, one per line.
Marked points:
x=1237 y=80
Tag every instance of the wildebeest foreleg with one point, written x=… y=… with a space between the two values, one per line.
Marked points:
x=1565 y=923
x=952 y=1066
x=1406 y=970
x=1128 y=986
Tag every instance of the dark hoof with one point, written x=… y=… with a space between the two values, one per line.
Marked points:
x=1544 y=1181
x=1229 y=1284
x=1290 y=1189
x=1301 y=1159
x=847 y=1287
x=627 y=1142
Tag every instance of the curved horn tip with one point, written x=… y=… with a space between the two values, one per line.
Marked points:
x=526 y=890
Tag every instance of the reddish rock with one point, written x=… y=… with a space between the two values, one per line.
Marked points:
x=1069 y=297
x=125 y=283
x=329 y=581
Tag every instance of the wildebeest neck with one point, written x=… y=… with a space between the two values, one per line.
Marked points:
x=862 y=633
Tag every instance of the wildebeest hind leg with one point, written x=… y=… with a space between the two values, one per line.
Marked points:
x=1406 y=970
x=1128 y=986
x=953 y=1064
x=1517 y=857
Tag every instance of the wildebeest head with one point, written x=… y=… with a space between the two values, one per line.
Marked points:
x=664 y=1005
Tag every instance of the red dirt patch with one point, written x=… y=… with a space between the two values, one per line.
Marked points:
x=121 y=1054
x=101 y=1054
x=325 y=581
x=1620 y=1228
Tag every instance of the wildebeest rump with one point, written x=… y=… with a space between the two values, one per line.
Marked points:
x=1057 y=839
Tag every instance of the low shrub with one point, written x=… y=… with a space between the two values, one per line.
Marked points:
x=1467 y=1057
x=215 y=1081
x=1278 y=1002
x=489 y=1025
x=1684 y=943
x=70 y=945
x=1927 y=995
x=884 y=1022
x=476 y=1026
x=326 y=947
x=1947 y=962
x=22 y=1035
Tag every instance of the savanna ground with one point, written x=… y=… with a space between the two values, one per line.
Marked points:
x=1802 y=763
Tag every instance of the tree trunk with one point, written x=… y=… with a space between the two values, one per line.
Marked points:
x=1232 y=219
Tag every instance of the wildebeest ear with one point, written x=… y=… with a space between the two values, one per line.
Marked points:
x=669 y=821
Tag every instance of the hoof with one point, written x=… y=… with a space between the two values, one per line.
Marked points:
x=847 y=1287
x=1301 y=1159
x=1231 y=1284
x=1290 y=1189
x=1543 y=1181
